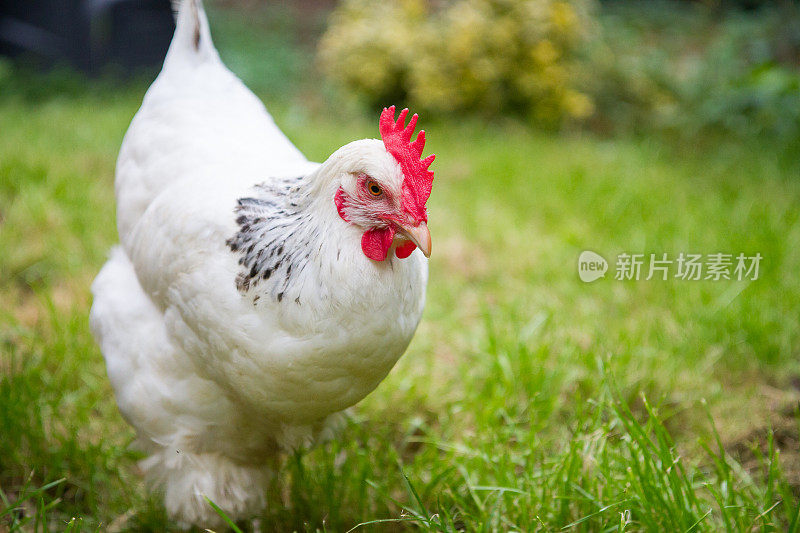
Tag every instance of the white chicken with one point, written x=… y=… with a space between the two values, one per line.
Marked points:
x=254 y=294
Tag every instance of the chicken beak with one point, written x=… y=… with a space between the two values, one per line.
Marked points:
x=419 y=235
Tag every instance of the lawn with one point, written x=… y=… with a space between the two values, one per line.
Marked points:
x=528 y=400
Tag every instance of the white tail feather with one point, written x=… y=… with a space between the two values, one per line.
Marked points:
x=192 y=35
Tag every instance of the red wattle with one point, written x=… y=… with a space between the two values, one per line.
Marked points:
x=405 y=249
x=375 y=243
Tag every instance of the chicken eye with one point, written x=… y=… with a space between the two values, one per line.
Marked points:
x=374 y=189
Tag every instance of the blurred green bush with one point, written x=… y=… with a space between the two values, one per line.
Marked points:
x=689 y=69
x=748 y=81
x=696 y=71
x=486 y=56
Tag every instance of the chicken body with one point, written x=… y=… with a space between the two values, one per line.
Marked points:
x=239 y=313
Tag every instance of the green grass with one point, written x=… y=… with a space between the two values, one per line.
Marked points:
x=528 y=400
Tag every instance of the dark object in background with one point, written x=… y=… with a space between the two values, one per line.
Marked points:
x=88 y=34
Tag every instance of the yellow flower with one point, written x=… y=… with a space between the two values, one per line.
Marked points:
x=578 y=105
x=564 y=16
x=544 y=52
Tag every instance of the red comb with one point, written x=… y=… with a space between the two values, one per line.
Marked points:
x=397 y=140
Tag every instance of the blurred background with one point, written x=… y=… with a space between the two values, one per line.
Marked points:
x=688 y=68
x=528 y=400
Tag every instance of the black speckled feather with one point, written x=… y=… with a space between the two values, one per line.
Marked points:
x=274 y=240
